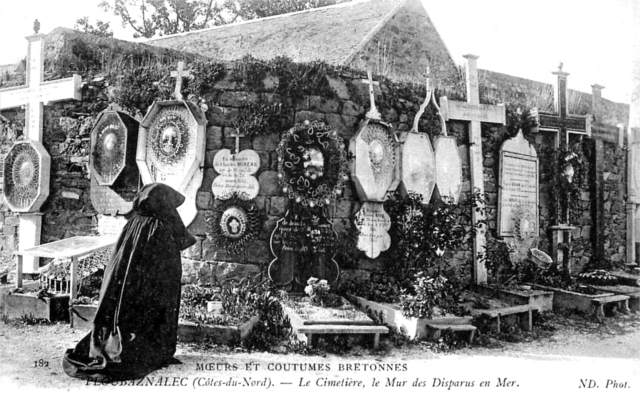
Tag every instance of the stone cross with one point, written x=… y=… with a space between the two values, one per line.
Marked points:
x=237 y=135
x=373 y=111
x=475 y=113
x=179 y=74
x=32 y=97
x=601 y=133
x=37 y=92
x=563 y=125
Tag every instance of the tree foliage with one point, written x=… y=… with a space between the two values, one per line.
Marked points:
x=149 y=18
x=101 y=29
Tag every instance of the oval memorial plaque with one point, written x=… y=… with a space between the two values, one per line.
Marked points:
x=373 y=223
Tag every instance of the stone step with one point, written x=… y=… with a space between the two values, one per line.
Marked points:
x=312 y=330
x=435 y=330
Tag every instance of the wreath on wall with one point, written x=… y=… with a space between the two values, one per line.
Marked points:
x=312 y=164
x=233 y=222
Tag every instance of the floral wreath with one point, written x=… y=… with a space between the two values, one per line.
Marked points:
x=312 y=164
x=233 y=222
x=169 y=119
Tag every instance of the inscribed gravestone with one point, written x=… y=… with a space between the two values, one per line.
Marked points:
x=373 y=223
x=518 y=190
x=236 y=174
x=302 y=244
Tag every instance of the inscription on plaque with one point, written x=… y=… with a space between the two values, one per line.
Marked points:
x=236 y=174
x=518 y=192
x=302 y=244
x=373 y=223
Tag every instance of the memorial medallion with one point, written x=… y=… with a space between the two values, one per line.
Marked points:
x=26 y=176
x=233 y=222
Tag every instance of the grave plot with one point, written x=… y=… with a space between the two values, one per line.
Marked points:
x=415 y=328
x=227 y=324
x=539 y=300
x=618 y=283
x=310 y=320
x=591 y=301
x=494 y=314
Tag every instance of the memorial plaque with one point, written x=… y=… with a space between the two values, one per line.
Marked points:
x=171 y=144
x=114 y=139
x=303 y=246
x=374 y=150
x=188 y=210
x=518 y=191
x=418 y=166
x=26 y=176
x=236 y=174
x=234 y=222
x=112 y=202
x=448 y=168
x=373 y=223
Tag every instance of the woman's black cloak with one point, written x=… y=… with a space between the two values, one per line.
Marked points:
x=135 y=327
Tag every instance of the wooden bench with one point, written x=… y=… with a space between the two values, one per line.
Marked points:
x=621 y=301
x=523 y=313
x=435 y=330
x=313 y=330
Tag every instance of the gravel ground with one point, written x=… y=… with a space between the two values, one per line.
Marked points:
x=30 y=357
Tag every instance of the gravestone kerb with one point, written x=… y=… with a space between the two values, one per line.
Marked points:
x=475 y=113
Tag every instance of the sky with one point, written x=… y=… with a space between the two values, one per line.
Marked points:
x=524 y=38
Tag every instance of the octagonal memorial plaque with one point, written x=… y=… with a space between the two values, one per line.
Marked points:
x=417 y=166
x=113 y=146
x=375 y=151
x=26 y=176
x=171 y=143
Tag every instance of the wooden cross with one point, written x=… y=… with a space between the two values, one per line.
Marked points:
x=37 y=92
x=601 y=133
x=33 y=96
x=237 y=135
x=563 y=125
x=179 y=74
x=475 y=113
x=373 y=111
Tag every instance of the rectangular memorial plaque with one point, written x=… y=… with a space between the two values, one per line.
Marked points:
x=518 y=189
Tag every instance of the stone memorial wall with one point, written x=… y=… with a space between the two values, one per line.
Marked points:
x=68 y=211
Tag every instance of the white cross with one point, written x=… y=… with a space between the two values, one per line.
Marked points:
x=179 y=74
x=475 y=113
x=37 y=92
x=373 y=111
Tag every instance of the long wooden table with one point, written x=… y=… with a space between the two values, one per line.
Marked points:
x=71 y=248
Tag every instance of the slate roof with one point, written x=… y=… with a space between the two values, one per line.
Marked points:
x=333 y=34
